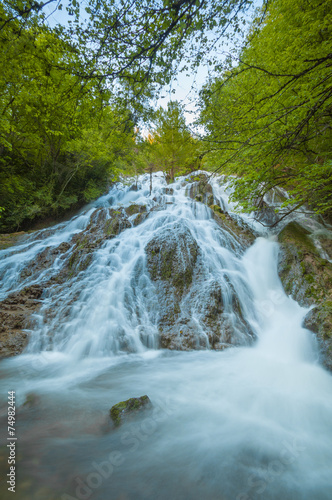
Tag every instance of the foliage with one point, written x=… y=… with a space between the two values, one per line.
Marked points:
x=140 y=42
x=70 y=95
x=268 y=119
x=61 y=142
x=171 y=147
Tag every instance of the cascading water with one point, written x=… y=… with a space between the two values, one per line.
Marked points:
x=251 y=422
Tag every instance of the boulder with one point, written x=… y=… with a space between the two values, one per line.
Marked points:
x=121 y=411
x=200 y=189
x=241 y=232
x=192 y=313
x=171 y=257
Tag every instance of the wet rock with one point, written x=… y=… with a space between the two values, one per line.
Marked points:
x=171 y=256
x=140 y=211
x=200 y=190
x=324 y=242
x=44 y=260
x=192 y=313
x=123 y=410
x=243 y=234
x=266 y=214
x=15 y=317
x=135 y=209
x=308 y=279
x=183 y=337
x=104 y=224
x=168 y=190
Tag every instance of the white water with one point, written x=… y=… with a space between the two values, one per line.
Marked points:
x=246 y=423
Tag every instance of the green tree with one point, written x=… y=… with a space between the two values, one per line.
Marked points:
x=139 y=43
x=61 y=141
x=172 y=147
x=268 y=119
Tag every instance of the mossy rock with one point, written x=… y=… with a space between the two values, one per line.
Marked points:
x=294 y=233
x=217 y=209
x=140 y=218
x=135 y=209
x=242 y=234
x=171 y=257
x=121 y=410
x=308 y=279
x=200 y=190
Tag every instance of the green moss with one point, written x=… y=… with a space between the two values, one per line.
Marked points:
x=216 y=208
x=116 y=411
x=85 y=262
x=72 y=261
x=310 y=278
x=140 y=218
x=132 y=209
x=124 y=407
x=111 y=227
x=298 y=235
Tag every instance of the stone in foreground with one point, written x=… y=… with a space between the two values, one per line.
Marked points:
x=121 y=410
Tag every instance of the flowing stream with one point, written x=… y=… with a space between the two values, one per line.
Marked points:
x=246 y=423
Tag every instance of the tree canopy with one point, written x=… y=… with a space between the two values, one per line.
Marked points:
x=72 y=94
x=268 y=118
x=171 y=147
x=60 y=138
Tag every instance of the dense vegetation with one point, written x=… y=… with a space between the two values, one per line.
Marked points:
x=170 y=146
x=71 y=98
x=268 y=116
x=61 y=140
x=70 y=95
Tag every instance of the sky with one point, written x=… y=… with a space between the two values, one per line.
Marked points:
x=184 y=88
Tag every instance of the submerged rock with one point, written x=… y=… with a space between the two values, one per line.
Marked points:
x=104 y=225
x=122 y=410
x=308 y=279
x=200 y=189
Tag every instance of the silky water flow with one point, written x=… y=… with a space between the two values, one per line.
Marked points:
x=246 y=423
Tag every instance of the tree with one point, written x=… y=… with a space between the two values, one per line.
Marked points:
x=58 y=85
x=172 y=147
x=61 y=142
x=137 y=42
x=269 y=118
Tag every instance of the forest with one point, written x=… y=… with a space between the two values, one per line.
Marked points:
x=74 y=98
x=166 y=261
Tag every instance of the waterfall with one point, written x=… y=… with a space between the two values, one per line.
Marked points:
x=244 y=423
